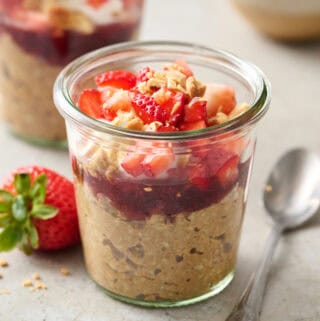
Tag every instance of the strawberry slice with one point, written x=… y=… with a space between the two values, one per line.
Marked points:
x=148 y=109
x=199 y=175
x=184 y=67
x=154 y=165
x=90 y=103
x=121 y=79
x=228 y=174
x=167 y=129
x=195 y=110
x=144 y=74
x=221 y=98
x=174 y=106
x=132 y=164
x=200 y=124
x=96 y=4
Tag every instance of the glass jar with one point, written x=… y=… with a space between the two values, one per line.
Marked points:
x=169 y=240
x=39 y=37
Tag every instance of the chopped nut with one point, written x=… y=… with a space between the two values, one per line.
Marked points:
x=238 y=110
x=135 y=124
x=194 y=87
x=27 y=283
x=152 y=127
x=221 y=118
x=4 y=292
x=35 y=5
x=40 y=286
x=64 y=19
x=148 y=189
x=36 y=276
x=3 y=263
x=64 y=271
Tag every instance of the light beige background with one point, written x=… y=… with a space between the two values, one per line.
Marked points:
x=293 y=293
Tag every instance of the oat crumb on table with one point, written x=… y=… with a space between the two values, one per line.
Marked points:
x=64 y=271
x=36 y=276
x=39 y=286
x=4 y=292
x=3 y=263
x=27 y=283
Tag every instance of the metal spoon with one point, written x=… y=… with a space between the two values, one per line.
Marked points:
x=291 y=197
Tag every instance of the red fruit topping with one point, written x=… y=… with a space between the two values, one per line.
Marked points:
x=148 y=109
x=229 y=172
x=90 y=103
x=133 y=164
x=221 y=98
x=200 y=124
x=174 y=106
x=195 y=110
x=96 y=3
x=144 y=74
x=154 y=165
x=199 y=176
x=108 y=114
x=184 y=67
x=167 y=129
x=44 y=202
x=121 y=79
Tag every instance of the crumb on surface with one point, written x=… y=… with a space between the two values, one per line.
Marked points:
x=268 y=188
x=27 y=283
x=3 y=263
x=4 y=292
x=40 y=286
x=64 y=271
x=36 y=276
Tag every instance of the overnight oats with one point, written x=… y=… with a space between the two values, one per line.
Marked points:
x=39 y=37
x=161 y=141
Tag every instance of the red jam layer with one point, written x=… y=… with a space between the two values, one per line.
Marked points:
x=138 y=199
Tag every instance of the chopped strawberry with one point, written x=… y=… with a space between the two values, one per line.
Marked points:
x=132 y=164
x=96 y=3
x=144 y=74
x=195 y=110
x=154 y=165
x=108 y=114
x=184 y=67
x=197 y=125
x=199 y=176
x=121 y=79
x=90 y=103
x=148 y=109
x=167 y=129
x=229 y=172
x=221 y=98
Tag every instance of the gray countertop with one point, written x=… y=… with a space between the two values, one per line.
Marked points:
x=293 y=292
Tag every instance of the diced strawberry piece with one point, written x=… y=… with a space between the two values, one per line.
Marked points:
x=200 y=124
x=90 y=103
x=133 y=164
x=144 y=74
x=148 y=109
x=173 y=103
x=167 y=129
x=154 y=165
x=184 y=67
x=108 y=114
x=229 y=172
x=221 y=98
x=96 y=3
x=199 y=176
x=121 y=79
x=195 y=110
x=224 y=165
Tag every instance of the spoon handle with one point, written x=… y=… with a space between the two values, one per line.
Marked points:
x=249 y=306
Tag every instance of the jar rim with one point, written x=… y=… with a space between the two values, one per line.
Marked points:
x=69 y=109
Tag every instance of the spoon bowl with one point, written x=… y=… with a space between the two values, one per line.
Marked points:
x=292 y=192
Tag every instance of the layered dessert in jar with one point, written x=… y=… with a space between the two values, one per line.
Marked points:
x=39 y=37
x=159 y=223
x=161 y=142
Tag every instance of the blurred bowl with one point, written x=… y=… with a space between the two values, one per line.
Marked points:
x=283 y=19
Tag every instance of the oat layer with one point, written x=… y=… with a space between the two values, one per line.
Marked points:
x=158 y=259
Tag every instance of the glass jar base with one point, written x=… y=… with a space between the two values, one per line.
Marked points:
x=216 y=289
x=58 y=144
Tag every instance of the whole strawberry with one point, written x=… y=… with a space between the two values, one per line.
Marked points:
x=37 y=211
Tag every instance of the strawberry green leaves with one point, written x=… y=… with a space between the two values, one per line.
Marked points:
x=19 y=209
